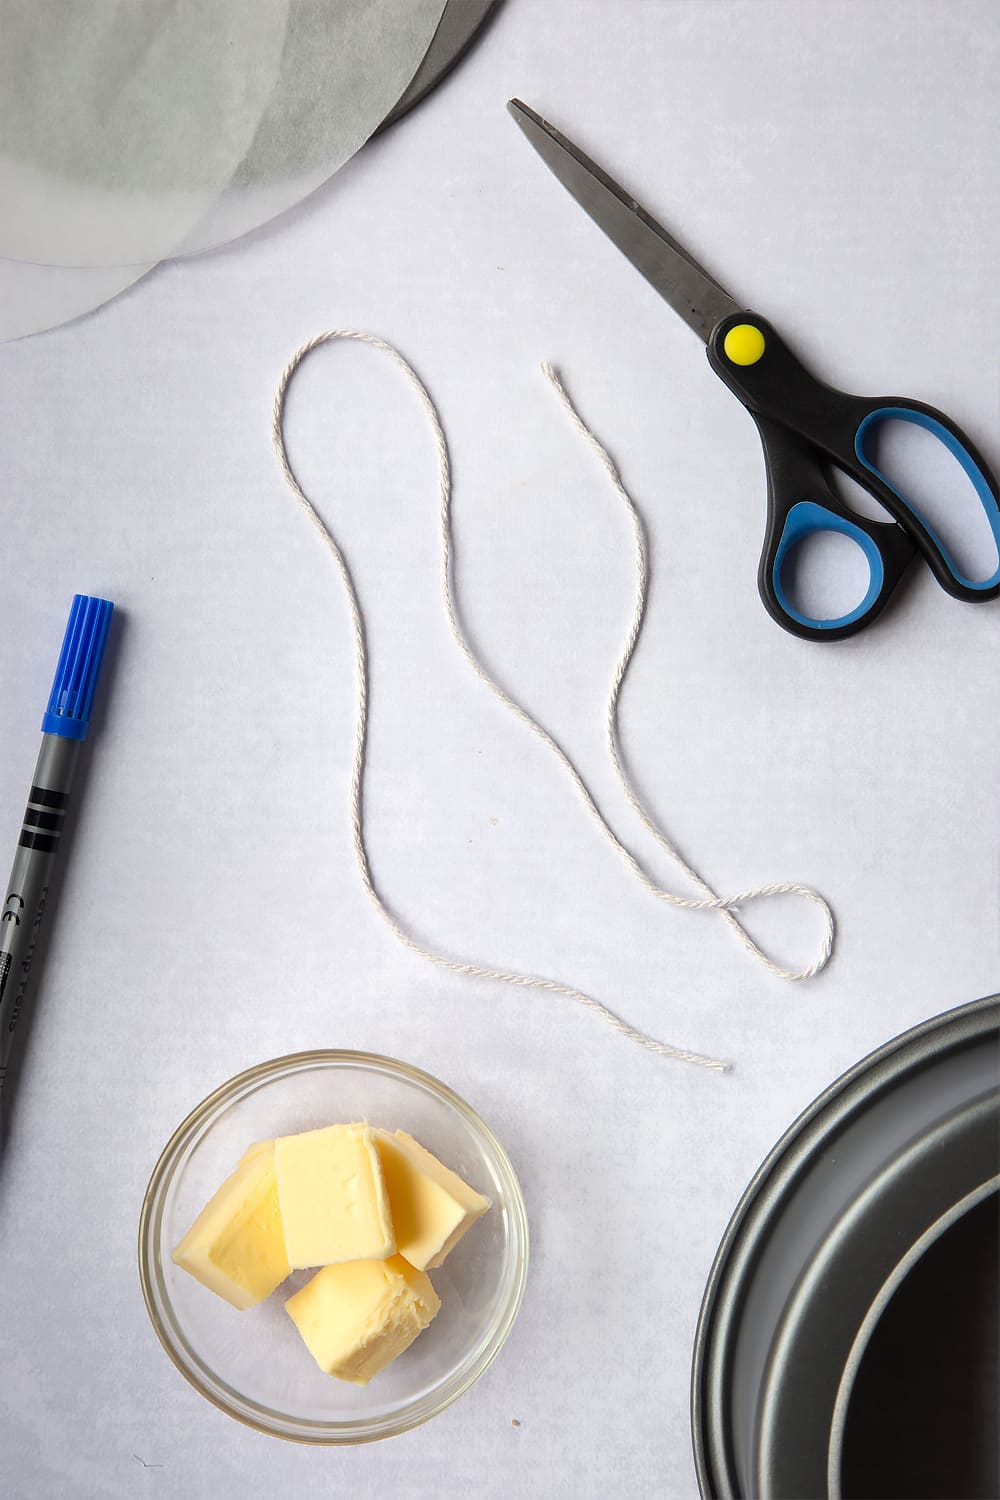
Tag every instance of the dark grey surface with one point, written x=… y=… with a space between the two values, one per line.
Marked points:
x=923 y=1415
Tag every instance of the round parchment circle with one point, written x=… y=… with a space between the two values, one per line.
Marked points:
x=122 y=123
x=34 y=298
x=345 y=65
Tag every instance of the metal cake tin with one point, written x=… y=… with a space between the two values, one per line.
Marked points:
x=875 y=1171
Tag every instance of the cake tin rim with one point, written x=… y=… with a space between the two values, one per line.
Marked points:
x=886 y=1067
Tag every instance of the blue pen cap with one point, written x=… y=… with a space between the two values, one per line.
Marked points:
x=72 y=695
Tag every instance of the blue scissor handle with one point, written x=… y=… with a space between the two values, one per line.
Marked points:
x=928 y=539
x=806 y=427
x=800 y=504
x=806 y=518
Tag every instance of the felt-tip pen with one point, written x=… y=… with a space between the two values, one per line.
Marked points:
x=64 y=727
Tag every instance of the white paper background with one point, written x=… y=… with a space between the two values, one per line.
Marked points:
x=835 y=165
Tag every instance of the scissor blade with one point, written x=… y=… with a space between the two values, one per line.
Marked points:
x=692 y=293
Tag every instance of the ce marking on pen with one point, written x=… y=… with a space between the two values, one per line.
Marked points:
x=10 y=913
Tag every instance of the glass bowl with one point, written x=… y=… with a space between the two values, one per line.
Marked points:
x=253 y=1365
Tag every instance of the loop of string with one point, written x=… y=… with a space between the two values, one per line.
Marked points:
x=726 y=906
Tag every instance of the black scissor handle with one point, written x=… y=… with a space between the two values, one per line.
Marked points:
x=797 y=413
x=936 y=551
x=800 y=504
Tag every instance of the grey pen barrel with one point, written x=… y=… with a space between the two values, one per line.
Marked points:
x=28 y=888
x=64 y=726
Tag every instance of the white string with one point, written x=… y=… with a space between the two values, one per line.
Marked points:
x=709 y=901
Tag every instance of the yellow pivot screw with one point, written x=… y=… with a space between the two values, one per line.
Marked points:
x=744 y=344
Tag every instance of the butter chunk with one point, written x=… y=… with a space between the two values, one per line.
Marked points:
x=357 y=1317
x=334 y=1206
x=258 y=1148
x=431 y=1206
x=235 y=1247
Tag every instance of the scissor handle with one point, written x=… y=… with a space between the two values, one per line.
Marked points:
x=800 y=504
x=797 y=413
x=939 y=557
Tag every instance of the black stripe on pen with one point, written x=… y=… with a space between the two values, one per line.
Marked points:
x=46 y=798
x=43 y=819
x=45 y=843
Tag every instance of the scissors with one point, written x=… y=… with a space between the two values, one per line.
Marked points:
x=805 y=426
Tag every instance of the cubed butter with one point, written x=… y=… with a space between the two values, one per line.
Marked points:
x=431 y=1206
x=334 y=1206
x=235 y=1247
x=356 y=1317
x=256 y=1149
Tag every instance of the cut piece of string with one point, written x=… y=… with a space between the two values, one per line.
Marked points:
x=725 y=906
